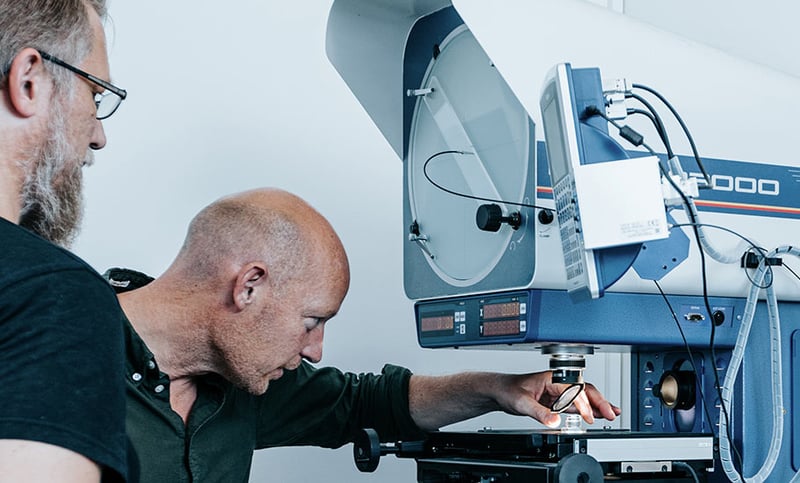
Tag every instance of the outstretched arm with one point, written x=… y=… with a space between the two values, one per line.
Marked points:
x=438 y=401
x=33 y=461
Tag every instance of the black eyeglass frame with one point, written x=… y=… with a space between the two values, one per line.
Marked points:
x=121 y=93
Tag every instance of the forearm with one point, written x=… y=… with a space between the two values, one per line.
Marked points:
x=438 y=401
x=32 y=461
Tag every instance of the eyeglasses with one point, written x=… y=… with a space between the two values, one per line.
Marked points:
x=108 y=101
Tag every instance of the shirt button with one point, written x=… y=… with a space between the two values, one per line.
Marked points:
x=136 y=377
x=151 y=365
x=159 y=388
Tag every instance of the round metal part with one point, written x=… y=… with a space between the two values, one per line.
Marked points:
x=578 y=468
x=567 y=376
x=568 y=349
x=564 y=401
x=676 y=389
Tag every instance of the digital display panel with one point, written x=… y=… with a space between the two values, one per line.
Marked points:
x=500 y=327
x=436 y=323
x=496 y=311
x=554 y=135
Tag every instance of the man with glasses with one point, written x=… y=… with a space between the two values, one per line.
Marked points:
x=61 y=370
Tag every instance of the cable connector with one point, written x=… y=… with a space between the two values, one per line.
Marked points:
x=673 y=198
x=614 y=91
x=753 y=260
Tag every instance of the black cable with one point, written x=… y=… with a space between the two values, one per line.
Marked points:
x=691 y=356
x=643 y=112
x=631 y=111
x=683 y=126
x=464 y=195
x=769 y=274
x=688 y=468
x=724 y=408
x=703 y=274
x=753 y=247
x=662 y=132
x=791 y=271
x=594 y=111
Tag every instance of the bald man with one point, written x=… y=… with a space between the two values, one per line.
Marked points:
x=243 y=308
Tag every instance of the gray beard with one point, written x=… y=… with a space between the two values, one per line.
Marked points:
x=52 y=199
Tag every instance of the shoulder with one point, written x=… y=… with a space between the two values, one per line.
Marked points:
x=125 y=279
x=26 y=256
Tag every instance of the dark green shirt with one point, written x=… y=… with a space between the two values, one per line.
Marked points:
x=307 y=406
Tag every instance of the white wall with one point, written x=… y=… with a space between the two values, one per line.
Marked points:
x=223 y=99
x=764 y=32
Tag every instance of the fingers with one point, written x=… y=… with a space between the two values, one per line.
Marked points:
x=527 y=403
x=535 y=392
x=552 y=420
x=597 y=404
x=543 y=414
x=581 y=403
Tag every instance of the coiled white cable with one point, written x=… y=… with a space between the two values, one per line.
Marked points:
x=733 y=256
x=776 y=373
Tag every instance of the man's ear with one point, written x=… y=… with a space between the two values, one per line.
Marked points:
x=250 y=277
x=28 y=83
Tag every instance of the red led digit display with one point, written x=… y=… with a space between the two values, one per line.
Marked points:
x=437 y=323
x=507 y=309
x=501 y=327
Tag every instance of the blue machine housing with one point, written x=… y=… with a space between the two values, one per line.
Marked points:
x=643 y=323
x=404 y=37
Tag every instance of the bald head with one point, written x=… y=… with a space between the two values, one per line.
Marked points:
x=267 y=225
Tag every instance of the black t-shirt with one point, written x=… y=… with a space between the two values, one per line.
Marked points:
x=61 y=352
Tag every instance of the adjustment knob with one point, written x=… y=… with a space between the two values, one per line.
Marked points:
x=490 y=218
x=676 y=389
x=546 y=217
x=367 y=450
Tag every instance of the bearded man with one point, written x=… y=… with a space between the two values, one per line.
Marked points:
x=61 y=371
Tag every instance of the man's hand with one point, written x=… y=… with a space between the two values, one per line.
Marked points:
x=533 y=394
x=438 y=401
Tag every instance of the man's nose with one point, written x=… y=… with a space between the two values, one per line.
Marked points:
x=98 y=139
x=313 y=350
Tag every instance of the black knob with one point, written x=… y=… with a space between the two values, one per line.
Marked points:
x=413 y=228
x=490 y=218
x=367 y=451
x=546 y=217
